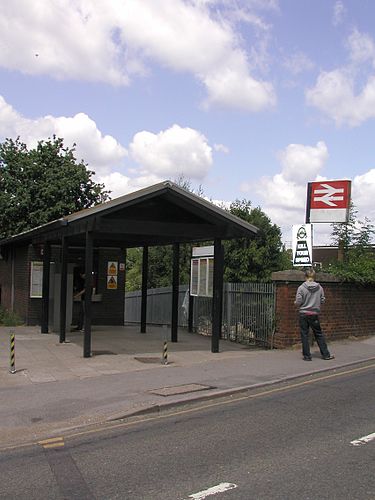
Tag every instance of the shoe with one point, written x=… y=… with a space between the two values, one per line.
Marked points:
x=326 y=358
x=307 y=358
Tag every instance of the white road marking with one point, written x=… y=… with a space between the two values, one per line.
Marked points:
x=220 y=488
x=363 y=440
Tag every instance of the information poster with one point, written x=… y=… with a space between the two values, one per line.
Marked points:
x=36 y=280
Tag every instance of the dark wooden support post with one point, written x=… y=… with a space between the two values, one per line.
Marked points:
x=125 y=279
x=144 y=289
x=217 y=302
x=175 y=286
x=191 y=313
x=45 y=286
x=89 y=257
x=63 y=287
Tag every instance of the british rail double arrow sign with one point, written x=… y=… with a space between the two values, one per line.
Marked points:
x=328 y=201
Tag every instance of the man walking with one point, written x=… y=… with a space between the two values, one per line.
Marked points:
x=309 y=297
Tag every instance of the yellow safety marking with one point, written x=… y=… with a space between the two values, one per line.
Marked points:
x=52 y=442
x=55 y=445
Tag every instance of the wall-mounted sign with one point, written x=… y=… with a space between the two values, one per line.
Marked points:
x=302 y=245
x=112 y=268
x=122 y=266
x=207 y=251
x=36 y=280
x=328 y=201
x=112 y=282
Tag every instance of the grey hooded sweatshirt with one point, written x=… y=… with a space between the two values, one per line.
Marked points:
x=309 y=297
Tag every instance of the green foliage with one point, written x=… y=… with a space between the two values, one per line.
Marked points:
x=354 y=238
x=42 y=184
x=160 y=266
x=9 y=318
x=255 y=259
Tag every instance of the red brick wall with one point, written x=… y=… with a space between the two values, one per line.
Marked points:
x=346 y=312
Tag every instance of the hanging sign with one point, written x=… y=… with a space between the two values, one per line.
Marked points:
x=328 y=201
x=302 y=245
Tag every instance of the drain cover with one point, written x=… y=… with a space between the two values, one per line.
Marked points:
x=180 y=389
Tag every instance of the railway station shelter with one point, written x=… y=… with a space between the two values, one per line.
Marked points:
x=38 y=266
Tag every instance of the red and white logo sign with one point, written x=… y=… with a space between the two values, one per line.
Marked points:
x=328 y=201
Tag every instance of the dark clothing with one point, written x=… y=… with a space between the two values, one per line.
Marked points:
x=79 y=286
x=309 y=297
x=305 y=322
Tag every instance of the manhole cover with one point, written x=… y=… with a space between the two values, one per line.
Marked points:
x=149 y=360
x=101 y=353
x=180 y=389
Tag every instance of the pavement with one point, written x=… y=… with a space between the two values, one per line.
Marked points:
x=55 y=389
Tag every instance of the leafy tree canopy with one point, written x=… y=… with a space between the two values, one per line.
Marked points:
x=255 y=259
x=42 y=184
x=354 y=240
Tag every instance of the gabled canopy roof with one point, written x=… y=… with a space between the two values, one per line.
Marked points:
x=157 y=215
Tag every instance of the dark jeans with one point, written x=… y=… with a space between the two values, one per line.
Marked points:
x=305 y=322
x=81 y=315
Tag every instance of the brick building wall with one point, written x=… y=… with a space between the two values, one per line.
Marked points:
x=109 y=311
x=346 y=312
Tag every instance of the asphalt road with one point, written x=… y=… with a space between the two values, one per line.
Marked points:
x=293 y=441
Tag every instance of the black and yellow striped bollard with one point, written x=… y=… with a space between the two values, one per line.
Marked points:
x=165 y=353
x=12 y=358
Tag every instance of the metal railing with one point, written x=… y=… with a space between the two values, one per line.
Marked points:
x=248 y=311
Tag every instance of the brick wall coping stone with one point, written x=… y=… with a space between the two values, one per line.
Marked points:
x=296 y=275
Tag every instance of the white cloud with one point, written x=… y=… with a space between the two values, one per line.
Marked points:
x=172 y=152
x=112 y=41
x=236 y=89
x=298 y=63
x=284 y=194
x=361 y=47
x=120 y=184
x=339 y=12
x=100 y=151
x=335 y=96
x=167 y=154
x=221 y=148
x=335 y=92
x=302 y=163
x=363 y=194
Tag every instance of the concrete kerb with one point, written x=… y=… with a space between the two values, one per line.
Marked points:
x=158 y=408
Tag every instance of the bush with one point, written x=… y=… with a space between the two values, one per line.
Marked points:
x=9 y=318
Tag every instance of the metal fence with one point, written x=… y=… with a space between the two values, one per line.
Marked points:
x=248 y=311
x=159 y=306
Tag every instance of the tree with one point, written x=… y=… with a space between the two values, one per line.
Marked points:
x=354 y=238
x=42 y=184
x=255 y=259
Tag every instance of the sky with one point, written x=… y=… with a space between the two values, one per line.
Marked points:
x=249 y=99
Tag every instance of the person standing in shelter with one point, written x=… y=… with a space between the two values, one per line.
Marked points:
x=309 y=297
x=79 y=293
